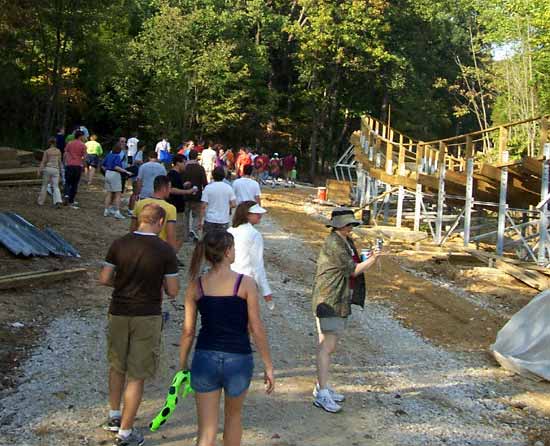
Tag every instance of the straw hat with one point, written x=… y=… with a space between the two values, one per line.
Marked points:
x=342 y=217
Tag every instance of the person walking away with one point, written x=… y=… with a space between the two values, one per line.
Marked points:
x=194 y=175
x=246 y=188
x=75 y=151
x=93 y=153
x=160 y=194
x=60 y=138
x=260 y=165
x=339 y=282
x=178 y=191
x=221 y=158
x=50 y=169
x=208 y=161
x=249 y=247
x=146 y=175
x=217 y=200
x=113 y=183
x=289 y=162
x=162 y=150
x=230 y=160
x=132 y=144
x=275 y=168
x=137 y=161
x=243 y=159
x=228 y=305
x=139 y=266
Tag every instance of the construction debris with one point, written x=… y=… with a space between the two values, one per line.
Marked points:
x=535 y=279
x=38 y=277
x=23 y=238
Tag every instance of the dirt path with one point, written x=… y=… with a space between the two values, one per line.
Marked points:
x=402 y=390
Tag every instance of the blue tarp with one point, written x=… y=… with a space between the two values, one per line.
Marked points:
x=23 y=238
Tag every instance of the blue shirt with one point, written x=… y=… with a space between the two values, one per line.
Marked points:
x=111 y=161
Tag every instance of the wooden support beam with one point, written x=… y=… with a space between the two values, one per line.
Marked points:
x=38 y=278
x=440 y=193
x=389 y=156
x=502 y=141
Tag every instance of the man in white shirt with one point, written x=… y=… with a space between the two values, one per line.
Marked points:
x=146 y=176
x=132 y=145
x=208 y=161
x=245 y=188
x=217 y=200
x=162 y=150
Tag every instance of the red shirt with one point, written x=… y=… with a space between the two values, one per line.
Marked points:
x=75 y=152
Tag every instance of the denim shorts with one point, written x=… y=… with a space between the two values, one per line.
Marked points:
x=213 y=370
x=92 y=160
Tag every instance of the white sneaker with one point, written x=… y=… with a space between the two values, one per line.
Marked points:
x=325 y=402
x=107 y=212
x=336 y=397
x=119 y=216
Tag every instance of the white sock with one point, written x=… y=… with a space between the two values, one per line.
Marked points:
x=114 y=414
x=124 y=433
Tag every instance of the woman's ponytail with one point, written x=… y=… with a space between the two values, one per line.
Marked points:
x=196 y=260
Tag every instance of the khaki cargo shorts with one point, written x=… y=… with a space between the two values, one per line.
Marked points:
x=133 y=345
x=113 y=181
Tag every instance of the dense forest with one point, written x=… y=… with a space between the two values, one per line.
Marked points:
x=279 y=74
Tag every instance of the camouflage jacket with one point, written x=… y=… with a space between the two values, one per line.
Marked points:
x=331 y=290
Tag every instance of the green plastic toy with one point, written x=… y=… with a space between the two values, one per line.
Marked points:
x=180 y=384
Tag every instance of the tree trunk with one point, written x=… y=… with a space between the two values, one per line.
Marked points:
x=313 y=142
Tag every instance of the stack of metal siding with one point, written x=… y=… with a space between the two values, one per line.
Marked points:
x=23 y=238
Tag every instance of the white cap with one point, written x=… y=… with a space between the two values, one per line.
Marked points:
x=257 y=209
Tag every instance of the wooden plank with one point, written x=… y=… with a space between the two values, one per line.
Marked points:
x=23 y=173
x=38 y=278
x=530 y=277
x=17 y=183
x=8 y=154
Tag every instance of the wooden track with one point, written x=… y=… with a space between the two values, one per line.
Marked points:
x=403 y=161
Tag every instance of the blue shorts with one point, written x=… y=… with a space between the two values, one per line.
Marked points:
x=92 y=160
x=212 y=370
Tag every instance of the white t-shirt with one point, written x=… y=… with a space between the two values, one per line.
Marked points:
x=132 y=146
x=208 y=159
x=246 y=189
x=162 y=146
x=218 y=197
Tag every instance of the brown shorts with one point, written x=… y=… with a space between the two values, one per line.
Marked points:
x=133 y=345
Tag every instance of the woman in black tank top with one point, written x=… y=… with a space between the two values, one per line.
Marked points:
x=229 y=309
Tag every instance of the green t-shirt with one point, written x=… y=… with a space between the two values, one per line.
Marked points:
x=94 y=148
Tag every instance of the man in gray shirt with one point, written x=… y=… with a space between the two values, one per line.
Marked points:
x=146 y=175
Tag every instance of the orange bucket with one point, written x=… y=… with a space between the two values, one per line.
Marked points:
x=322 y=193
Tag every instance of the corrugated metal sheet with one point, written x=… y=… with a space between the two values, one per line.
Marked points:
x=23 y=238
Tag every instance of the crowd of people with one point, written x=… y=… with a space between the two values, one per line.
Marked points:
x=186 y=199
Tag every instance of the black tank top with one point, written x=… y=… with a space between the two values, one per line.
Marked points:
x=224 y=322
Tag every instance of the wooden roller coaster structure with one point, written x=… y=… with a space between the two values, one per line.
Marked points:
x=466 y=184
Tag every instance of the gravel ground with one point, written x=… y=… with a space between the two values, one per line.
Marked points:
x=400 y=389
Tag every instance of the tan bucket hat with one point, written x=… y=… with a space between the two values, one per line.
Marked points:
x=341 y=217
